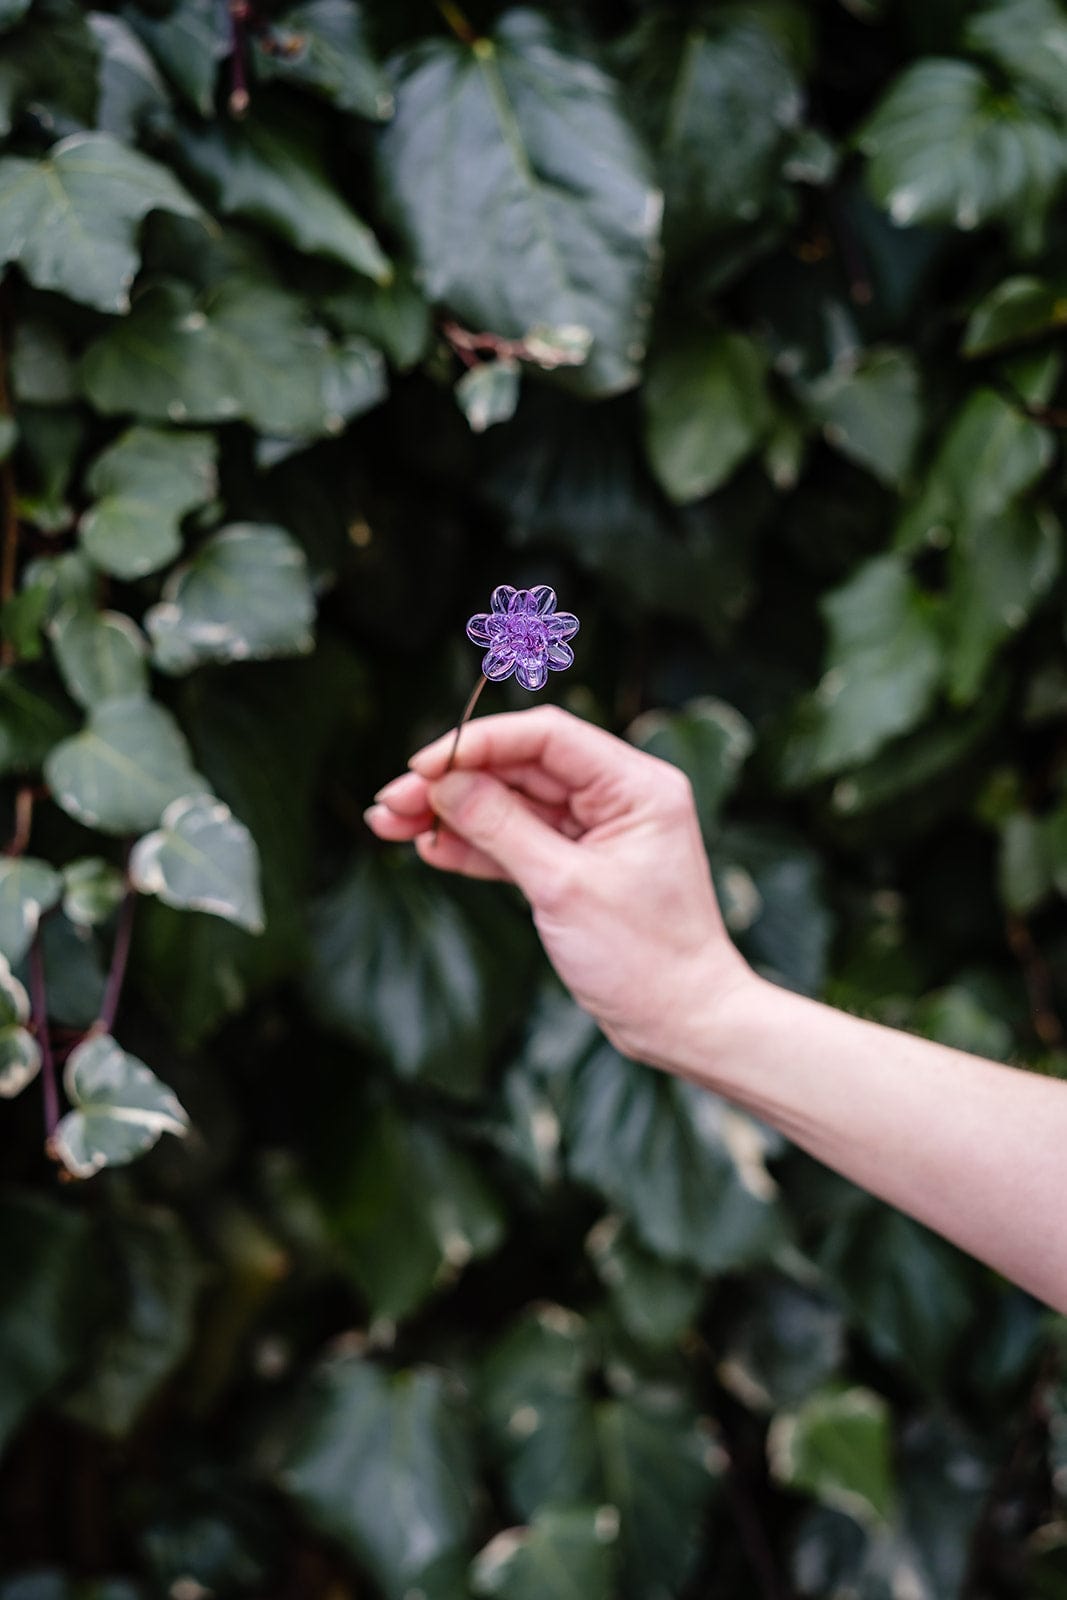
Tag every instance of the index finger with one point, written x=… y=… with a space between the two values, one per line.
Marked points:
x=575 y=752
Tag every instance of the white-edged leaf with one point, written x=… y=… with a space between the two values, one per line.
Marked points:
x=145 y=483
x=121 y=1109
x=244 y=596
x=836 y=1447
x=20 y=1060
x=71 y=220
x=566 y=1552
x=125 y=767
x=14 y=1001
x=201 y=859
x=489 y=393
x=100 y=654
x=92 y=890
x=27 y=888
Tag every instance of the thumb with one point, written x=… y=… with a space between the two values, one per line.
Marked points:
x=491 y=816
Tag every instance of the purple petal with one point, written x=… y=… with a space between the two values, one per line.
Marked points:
x=503 y=597
x=560 y=656
x=562 y=626
x=532 y=672
x=498 y=663
x=542 y=601
x=499 y=628
x=478 y=628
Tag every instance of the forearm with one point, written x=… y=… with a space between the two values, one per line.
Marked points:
x=972 y=1149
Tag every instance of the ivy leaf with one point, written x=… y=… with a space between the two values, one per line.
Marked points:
x=836 y=1446
x=144 y=484
x=421 y=973
x=92 y=890
x=721 y=100
x=1001 y=571
x=274 y=178
x=1018 y=309
x=34 y=713
x=398 y=1523
x=12 y=12
x=124 y=769
x=132 y=94
x=708 y=740
x=244 y=596
x=656 y=1300
x=1027 y=40
x=408 y=1210
x=706 y=409
x=883 y=668
x=100 y=654
x=20 y=1059
x=154 y=1277
x=684 y=1168
x=488 y=393
x=870 y=409
x=202 y=859
x=28 y=888
x=242 y=350
x=787 y=1340
x=120 y=1108
x=945 y=146
x=188 y=44
x=323 y=46
x=560 y=226
x=48 y=64
x=71 y=219
x=565 y=1552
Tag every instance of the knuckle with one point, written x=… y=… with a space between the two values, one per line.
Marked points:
x=677 y=792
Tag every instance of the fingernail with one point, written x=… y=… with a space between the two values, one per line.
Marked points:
x=370 y=813
x=449 y=792
x=388 y=788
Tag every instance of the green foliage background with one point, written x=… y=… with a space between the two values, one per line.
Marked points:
x=742 y=326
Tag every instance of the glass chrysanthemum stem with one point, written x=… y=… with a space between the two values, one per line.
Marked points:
x=468 y=711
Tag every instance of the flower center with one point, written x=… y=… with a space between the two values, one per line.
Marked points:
x=526 y=635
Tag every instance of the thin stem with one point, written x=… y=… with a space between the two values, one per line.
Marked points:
x=457 y=22
x=468 y=711
x=19 y=841
x=39 y=1006
x=240 y=12
x=120 y=955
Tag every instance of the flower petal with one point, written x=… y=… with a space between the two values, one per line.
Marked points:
x=560 y=656
x=564 y=625
x=499 y=627
x=542 y=600
x=478 y=628
x=499 y=663
x=532 y=672
x=503 y=596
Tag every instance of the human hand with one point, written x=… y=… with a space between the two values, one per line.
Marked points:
x=603 y=841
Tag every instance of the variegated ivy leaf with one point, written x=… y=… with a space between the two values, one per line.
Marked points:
x=100 y=654
x=20 y=1060
x=14 y=1001
x=128 y=763
x=244 y=596
x=27 y=888
x=120 y=1109
x=201 y=859
x=92 y=889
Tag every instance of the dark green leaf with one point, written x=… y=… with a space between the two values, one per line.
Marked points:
x=408 y=1210
x=48 y=64
x=100 y=654
x=656 y=1300
x=836 y=1446
x=1002 y=570
x=686 y=1169
x=511 y=173
x=399 y=963
x=708 y=740
x=1027 y=40
x=1017 y=310
x=241 y=351
x=706 y=409
x=323 y=45
x=565 y=1554
x=188 y=43
x=260 y=172
x=33 y=715
x=870 y=409
x=155 y=1277
x=397 y=1523
x=132 y=94
x=42 y=373
x=244 y=596
x=126 y=767
x=787 y=1340
x=945 y=145
x=92 y=890
x=71 y=220
x=145 y=483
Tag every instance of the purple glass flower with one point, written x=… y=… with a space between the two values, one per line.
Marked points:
x=525 y=635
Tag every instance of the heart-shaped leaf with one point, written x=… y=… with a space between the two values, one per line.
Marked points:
x=124 y=768
x=120 y=1109
x=145 y=483
x=201 y=859
x=27 y=888
x=100 y=654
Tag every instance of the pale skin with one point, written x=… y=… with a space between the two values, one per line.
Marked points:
x=603 y=841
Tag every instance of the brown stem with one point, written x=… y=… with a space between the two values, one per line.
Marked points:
x=120 y=956
x=468 y=710
x=240 y=14
x=19 y=841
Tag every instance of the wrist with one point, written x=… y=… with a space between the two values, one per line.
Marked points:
x=718 y=1030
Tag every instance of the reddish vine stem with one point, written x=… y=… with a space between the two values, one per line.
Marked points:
x=25 y=796
x=240 y=12
x=120 y=956
x=39 y=1010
